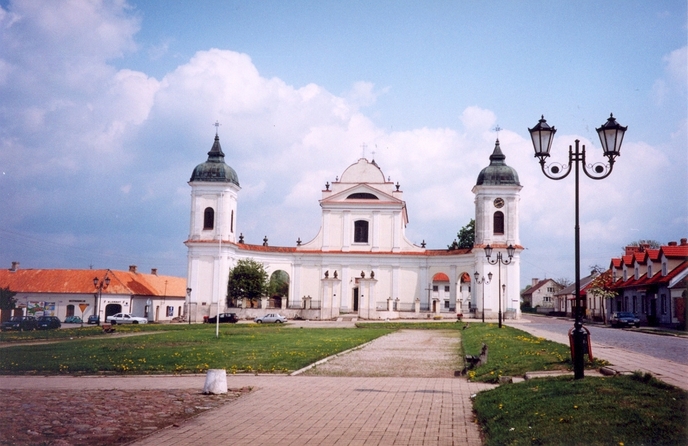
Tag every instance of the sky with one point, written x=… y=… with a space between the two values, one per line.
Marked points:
x=107 y=106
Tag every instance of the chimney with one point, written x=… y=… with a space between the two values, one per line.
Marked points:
x=632 y=250
x=684 y=242
x=132 y=269
x=154 y=271
x=535 y=281
x=672 y=243
x=15 y=266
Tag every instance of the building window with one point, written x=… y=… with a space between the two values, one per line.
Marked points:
x=360 y=231
x=435 y=288
x=446 y=288
x=70 y=310
x=362 y=196
x=664 y=304
x=231 y=222
x=498 y=221
x=208 y=218
x=635 y=301
x=170 y=311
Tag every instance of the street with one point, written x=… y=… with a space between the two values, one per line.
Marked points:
x=671 y=348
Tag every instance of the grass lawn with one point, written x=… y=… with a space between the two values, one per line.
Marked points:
x=512 y=352
x=620 y=410
x=185 y=349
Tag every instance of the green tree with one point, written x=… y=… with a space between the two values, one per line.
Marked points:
x=7 y=299
x=7 y=303
x=465 y=238
x=247 y=280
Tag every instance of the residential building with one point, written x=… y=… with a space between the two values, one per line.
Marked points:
x=652 y=283
x=78 y=292
x=541 y=295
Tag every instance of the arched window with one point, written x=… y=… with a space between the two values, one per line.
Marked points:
x=498 y=222
x=362 y=196
x=208 y=218
x=360 y=231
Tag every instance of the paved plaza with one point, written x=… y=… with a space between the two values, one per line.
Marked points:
x=418 y=403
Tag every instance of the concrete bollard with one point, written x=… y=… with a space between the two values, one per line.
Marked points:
x=215 y=382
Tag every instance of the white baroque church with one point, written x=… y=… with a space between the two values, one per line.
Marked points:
x=360 y=264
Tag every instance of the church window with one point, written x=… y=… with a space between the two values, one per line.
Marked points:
x=208 y=218
x=362 y=196
x=498 y=222
x=360 y=231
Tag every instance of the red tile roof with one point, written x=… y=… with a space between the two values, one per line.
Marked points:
x=440 y=277
x=657 y=279
x=293 y=249
x=80 y=281
x=672 y=252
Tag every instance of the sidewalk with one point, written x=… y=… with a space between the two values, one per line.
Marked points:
x=623 y=361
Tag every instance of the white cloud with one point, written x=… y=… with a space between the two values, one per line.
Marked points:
x=677 y=66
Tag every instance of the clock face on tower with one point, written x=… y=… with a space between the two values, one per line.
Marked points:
x=498 y=203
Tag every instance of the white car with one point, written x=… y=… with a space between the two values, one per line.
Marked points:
x=125 y=318
x=271 y=317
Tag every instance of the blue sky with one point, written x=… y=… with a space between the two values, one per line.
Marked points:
x=106 y=107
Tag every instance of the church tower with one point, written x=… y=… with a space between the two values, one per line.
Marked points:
x=214 y=192
x=497 y=224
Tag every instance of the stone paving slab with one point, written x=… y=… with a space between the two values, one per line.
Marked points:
x=302 y=410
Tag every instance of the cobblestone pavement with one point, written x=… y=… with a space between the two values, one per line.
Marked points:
x=96 y=417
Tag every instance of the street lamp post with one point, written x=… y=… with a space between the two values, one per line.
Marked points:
x=611 y=135
x=100 y=285
x=481 y=280
x=188 y=306
x=499 y=261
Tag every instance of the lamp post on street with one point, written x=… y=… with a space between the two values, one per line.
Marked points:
x=100 y=285
x=611 y=136
x=483 y=282
x=499 y=261
x=188 y=305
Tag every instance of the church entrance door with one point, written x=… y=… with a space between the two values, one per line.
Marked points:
x=355 y=306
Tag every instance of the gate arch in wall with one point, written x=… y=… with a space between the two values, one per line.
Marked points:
x=279 y=289
x=440 y=293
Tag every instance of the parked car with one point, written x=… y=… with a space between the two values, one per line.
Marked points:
x=125 y=318
x=271 y=317
x=230 y=318
x=72 y=320
x=20 y=323
x=624 y=319
x=94 y=319
x=48 y=323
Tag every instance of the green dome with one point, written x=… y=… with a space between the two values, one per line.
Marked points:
x=498 y=173
x=215 y=169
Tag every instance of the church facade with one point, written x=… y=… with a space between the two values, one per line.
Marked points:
x=360 y=264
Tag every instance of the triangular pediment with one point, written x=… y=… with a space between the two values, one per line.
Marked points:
x=361 y=193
